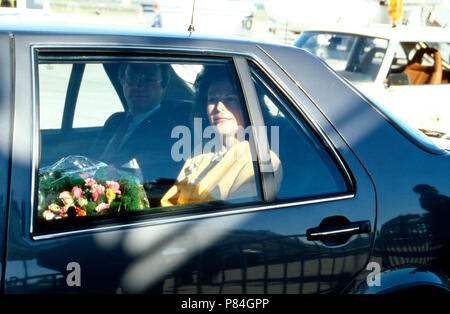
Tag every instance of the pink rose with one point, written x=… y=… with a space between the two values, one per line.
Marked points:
x=89 y=182
x=113 y=185
x=100 y=188
x=96 y=190
x=101 y=206
x=94 y=193
x=77 y=192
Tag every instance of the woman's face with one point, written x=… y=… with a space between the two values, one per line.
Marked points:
x=223 y=108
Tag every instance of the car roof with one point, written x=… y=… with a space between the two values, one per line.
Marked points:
x=400 y=33
x=56 y=28
x=47 y=26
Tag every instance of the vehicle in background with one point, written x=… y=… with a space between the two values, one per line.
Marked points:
x=405 y=69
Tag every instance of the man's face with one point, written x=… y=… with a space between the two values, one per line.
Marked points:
x=142 y=87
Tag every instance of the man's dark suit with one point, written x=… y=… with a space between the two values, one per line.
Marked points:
x=150 y=145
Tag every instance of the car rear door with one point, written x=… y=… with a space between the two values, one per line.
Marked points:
x=311 y=233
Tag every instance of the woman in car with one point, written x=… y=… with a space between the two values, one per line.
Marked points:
x=228 y=172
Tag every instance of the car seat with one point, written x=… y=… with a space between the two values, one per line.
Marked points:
x=421 y=74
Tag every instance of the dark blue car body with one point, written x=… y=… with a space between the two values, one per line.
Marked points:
x=398 y=196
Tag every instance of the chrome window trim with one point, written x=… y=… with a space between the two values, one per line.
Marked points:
x=136 y=48
x=36 y=143
x=182 y=51
x=155 y=222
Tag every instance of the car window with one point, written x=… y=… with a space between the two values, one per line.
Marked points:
x=333 y=48
x=90 y=111
x=400 y=58
x=358 y=58
x=149 y=136
x=442 y=47
x=308 y=169
x=53 y=81
x=418 y=64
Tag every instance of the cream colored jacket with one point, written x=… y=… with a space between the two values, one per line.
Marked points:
x=206 y=177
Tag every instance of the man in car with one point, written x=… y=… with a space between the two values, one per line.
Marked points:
x=139 y=139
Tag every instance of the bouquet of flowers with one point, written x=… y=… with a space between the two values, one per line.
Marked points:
x=76 y=186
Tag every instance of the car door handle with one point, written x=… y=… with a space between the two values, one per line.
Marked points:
x=323 y=233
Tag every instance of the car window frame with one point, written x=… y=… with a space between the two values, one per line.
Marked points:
x=319 y=134
x=69 y=113
x=266 y=189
